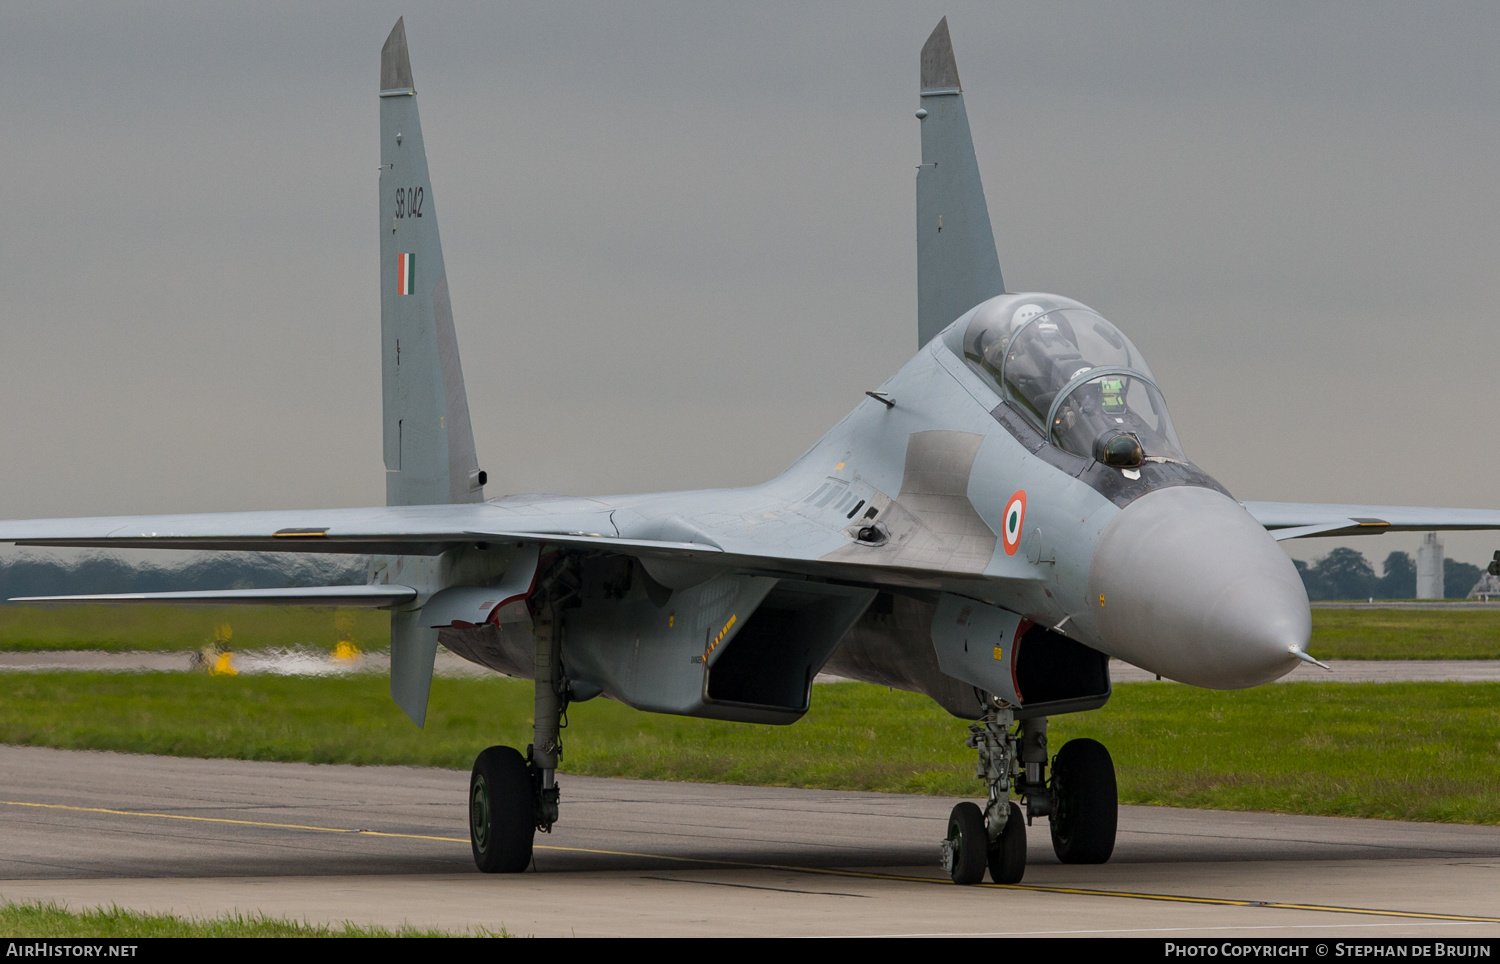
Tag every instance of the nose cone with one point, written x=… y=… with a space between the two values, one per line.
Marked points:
x=1186 y=584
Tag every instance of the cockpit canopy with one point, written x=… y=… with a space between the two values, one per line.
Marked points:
x=1074 y=375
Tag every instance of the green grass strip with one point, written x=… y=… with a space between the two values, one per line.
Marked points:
x=34 y=920
x=1412 y=751
x=1406 y=633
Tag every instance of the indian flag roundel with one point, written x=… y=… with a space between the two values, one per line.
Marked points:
x=406 y=267
x=1015 y=518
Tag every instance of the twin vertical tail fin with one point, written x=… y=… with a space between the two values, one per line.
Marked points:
x=957 y=267
x=429 y=442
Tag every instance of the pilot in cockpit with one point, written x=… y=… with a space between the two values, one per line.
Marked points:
x=1043 y=359
x=1101 y=407
x=1031 y=353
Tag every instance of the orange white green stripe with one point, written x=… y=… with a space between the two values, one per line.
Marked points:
x=406 y=266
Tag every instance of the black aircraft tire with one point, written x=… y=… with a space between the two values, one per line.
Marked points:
x=1007 y=855
x=502 y=818
x=967 y=842
x=1085 y=803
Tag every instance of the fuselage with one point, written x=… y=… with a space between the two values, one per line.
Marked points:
x=946 y=484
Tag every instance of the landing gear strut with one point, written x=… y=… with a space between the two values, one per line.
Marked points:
x=511 y=797
x=995 y=838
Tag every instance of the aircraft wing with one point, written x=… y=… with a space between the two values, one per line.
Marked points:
x=1300 y=520
x=395 y=530
x=433 y=529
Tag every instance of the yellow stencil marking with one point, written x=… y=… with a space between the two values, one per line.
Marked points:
x=839 y=467
x=1101 y=599
x=999 y=652
x=719 y=638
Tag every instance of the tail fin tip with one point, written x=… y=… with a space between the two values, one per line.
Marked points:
x=395 y=62
x=939 y=68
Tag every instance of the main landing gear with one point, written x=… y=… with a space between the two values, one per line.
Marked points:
x=1080 y=800
x=511 y=797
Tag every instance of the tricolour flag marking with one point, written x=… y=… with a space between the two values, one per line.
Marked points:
x=406 y=267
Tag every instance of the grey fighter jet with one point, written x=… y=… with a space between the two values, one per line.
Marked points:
x=1005 y=514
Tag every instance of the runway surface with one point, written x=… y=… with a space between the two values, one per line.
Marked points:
x=388 y=845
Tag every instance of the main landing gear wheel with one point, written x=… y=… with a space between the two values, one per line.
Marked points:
x=964 y=849
x=502 y=811
x=1085 y=803
x=1007 y=855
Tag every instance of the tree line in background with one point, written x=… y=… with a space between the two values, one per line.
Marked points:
x=1346 y=574
x=39 y=575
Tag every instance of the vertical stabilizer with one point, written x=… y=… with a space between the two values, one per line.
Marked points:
x=957 y=267
x=429 y=444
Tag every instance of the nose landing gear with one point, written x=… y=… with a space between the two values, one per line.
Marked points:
x=995 y=838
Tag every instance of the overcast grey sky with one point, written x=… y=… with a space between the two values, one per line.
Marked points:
x=679 y=236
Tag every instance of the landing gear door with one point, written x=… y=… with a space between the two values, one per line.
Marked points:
x=976 y=643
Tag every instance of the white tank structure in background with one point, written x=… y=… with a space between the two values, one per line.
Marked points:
x=1430 y=568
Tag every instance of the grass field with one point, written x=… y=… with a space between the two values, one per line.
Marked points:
x=1406 y=634
x=1416 y=751
x=1337 y=633
x=136 y=628
x=26 y=920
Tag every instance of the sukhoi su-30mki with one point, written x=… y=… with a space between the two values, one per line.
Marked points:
x=991 y=525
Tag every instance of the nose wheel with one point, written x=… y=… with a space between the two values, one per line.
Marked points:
x=969 y=850
x=1007 y=853
x=964 y=850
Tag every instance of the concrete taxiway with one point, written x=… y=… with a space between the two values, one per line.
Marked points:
x=388 y=845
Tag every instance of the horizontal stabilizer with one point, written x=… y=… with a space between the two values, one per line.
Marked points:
x=368 y=597
x=1302 y=520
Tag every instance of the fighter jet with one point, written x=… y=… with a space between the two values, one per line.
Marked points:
x=988 y=527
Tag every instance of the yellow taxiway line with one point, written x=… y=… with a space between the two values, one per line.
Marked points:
x=825 y=871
